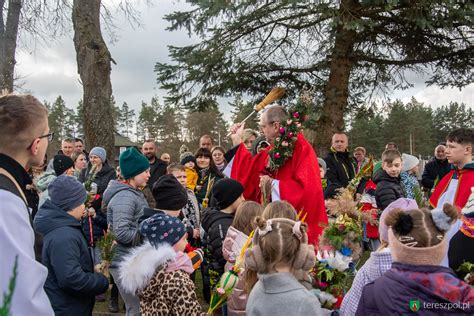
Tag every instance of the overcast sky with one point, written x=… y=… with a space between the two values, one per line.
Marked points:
x=50 y=70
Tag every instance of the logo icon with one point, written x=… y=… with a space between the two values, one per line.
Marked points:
x=414 y=305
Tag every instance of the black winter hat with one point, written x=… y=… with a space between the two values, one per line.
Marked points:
x=169 y=194
x=225 y=192
x=61 y=163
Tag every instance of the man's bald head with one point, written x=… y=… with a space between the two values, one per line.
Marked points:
x=440 y=152
x=340 y=142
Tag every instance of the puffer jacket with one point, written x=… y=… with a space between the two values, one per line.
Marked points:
x=160 y=278
x=409 y=184
x=42 y=185
x=124 y=205
x=215 y=224
x=388 y=189
x=72 y=283
x=231 y=249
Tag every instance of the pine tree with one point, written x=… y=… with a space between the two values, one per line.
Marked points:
x=146 y=123
x=126 y=119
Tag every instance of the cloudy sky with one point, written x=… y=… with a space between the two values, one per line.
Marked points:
x=49 y=70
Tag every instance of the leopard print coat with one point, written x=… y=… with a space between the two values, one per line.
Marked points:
x=169 y=293
x=162 y=291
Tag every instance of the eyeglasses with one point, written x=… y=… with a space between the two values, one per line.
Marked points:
x=263 y=126
x=49 y=136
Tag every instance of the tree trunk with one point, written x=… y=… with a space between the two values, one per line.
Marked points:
x=8 y=37
x=336 y=91
x=93 y=65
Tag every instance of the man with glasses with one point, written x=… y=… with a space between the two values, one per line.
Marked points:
x=24 y=139
x=297 y=181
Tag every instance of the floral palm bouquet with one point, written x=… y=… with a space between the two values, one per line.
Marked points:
x=228 y=280
x=340 y=248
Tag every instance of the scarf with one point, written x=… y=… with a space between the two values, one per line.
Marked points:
x=180 y=262
x=467 y=227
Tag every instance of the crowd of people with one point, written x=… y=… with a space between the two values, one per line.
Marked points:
x=174 y=217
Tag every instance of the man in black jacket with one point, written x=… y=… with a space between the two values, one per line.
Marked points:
x=436 y=169
x=157 y=166
x=341 y=166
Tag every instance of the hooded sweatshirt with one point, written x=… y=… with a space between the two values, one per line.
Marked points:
x=160 y=278
x=43 y=182
x=72 y=283
x=378 y=263
x=393 y=292
x=124 y=207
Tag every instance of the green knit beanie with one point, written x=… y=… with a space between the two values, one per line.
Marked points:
x=132 y=163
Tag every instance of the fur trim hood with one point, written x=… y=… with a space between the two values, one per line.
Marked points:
x=140 y=264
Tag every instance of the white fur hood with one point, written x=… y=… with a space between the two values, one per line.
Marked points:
x=138 y=267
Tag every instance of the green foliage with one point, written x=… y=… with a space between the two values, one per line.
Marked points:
x=250 y=46
x=7 y=296
x=241 y=109
x=372 y=127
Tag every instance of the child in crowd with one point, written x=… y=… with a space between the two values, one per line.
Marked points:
x=279 y=247
x=455 y=187
x=280 y=209
x=190 y=214
x=417 y=245
x=72 y=283
x=369 y=205
x=216 y=220
x=61 y=165
x=124 y=201
x=188 y=160
x=379 y=261
x=169 y=195
x=387 y=179
x=158 y=271
x=237 y=235
x=408 y=176
x=322 y=172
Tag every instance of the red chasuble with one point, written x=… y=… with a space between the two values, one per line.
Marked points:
x=299 y=182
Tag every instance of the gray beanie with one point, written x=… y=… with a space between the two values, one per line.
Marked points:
x=67 y=193
x=99 y=152
x=409 y=162
x=322 y=164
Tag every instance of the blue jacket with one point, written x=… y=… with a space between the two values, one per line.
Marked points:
x=72 y=283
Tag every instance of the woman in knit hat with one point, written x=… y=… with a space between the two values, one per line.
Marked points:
x=379 y=262
x=408 y=176
x=416 y=280
x=125 y=203
x=158 y=271
x=95 y=224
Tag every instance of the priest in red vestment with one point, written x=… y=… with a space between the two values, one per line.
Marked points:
x=298 y=181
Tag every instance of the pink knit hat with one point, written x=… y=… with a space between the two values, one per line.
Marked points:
x=403 y=204
x=418 y=237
